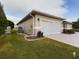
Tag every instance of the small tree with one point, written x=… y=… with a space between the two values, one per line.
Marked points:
x=3 y=25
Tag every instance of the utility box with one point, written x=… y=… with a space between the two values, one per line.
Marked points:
x=40 y=34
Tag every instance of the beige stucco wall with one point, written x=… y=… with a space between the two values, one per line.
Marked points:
x=44 y=18
x=27 y=26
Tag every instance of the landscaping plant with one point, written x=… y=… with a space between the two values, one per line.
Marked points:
x=3 y=25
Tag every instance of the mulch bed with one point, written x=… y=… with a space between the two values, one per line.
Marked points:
x=33 y=37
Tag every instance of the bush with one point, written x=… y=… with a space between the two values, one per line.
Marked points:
x=75 y=24
x=68 y=31
x=3 y=25
x=39 y=34
x=76 y=30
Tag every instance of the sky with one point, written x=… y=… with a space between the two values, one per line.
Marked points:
x=15 y=10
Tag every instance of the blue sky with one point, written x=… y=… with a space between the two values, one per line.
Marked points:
x=73 y=9
x=15 y=10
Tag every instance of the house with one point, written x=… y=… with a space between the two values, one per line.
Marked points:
x=38 y=21
x=68 y=25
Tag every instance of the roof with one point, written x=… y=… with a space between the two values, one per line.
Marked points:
x=67 y=22
x=34 y=12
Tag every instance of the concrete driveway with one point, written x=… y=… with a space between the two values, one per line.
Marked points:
x=72 y=39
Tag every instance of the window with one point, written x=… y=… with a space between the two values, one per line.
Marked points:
x=38 y=21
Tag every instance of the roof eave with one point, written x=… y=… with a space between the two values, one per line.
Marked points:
x=33 y=12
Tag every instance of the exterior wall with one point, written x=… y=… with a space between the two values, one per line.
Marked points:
x=27 y=26
x=69 y=26
x=43 y=18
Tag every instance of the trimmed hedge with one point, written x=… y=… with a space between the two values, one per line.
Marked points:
x=68 y=31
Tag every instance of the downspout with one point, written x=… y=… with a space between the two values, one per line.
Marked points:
x=33 y=24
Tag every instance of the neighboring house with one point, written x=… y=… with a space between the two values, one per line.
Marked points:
x=67 y=25
x=38 y=21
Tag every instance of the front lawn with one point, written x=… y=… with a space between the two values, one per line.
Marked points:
x=13 y=46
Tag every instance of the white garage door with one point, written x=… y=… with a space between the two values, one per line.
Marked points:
x=49 y=28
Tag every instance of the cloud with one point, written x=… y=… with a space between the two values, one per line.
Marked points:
x=13 y=19
x=71 y=19
x=19 y=8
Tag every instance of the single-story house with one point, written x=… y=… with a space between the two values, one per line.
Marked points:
x=38 y=21
x=68 y=25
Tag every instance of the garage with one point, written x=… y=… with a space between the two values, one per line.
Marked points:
x=39 y=21
x=49 y=27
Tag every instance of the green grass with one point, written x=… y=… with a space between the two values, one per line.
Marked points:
x=13 y=46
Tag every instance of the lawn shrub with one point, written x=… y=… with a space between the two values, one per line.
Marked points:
x=39 y=34
x=14 y=31
x=76 y=30
x=3 y=25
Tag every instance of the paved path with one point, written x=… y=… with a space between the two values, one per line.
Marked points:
x=72 y=39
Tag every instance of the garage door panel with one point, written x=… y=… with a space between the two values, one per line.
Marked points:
x=49 y=28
